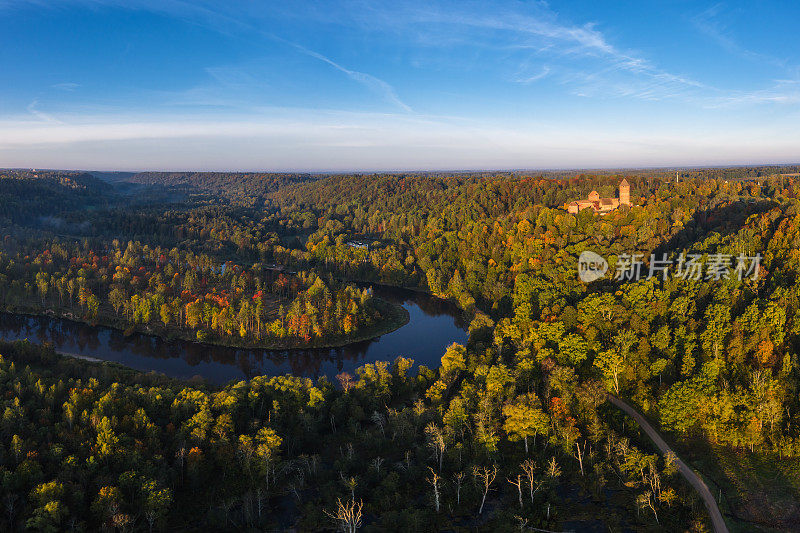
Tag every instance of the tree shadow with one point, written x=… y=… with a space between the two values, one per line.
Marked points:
x=724 y=219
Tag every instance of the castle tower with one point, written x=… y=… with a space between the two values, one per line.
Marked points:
x=624 y=193
x=594 y=196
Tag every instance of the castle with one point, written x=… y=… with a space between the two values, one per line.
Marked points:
x=602 y=205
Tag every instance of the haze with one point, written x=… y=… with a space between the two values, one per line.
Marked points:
x=410 y=85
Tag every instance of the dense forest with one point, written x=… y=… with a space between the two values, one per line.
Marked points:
x=512 y=431
x=176 y=292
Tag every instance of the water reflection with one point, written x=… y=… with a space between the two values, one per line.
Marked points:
x=432 y=326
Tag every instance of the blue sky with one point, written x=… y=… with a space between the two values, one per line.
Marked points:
x=245 y=85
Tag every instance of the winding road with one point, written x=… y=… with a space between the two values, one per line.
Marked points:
x=688 y=473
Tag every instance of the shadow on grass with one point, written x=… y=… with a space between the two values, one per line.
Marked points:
x=755 y=491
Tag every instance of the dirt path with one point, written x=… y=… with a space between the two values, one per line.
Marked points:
x=688 y=473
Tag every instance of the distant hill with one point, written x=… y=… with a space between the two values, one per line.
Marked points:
x=243 y=187
x=28 y=194
x=112 y=176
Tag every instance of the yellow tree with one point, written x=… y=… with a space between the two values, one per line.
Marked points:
x=524 y=419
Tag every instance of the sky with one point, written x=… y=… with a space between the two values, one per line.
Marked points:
x=417 y=85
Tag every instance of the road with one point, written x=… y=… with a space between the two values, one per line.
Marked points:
x=688 y=473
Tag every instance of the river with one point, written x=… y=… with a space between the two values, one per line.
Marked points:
x=433 y=325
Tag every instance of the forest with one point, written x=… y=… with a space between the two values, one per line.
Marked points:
x=176 y=293
x=513 y=430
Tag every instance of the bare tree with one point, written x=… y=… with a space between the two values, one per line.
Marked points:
x=346 y=381
x=11 y=500
x=485 y=477
x=310 y=463
x=260 y=497
x=180 y=455
x=647 y=500
x=150 y=515
x=528 y=468
x=436 y=442
x=523 y=522
x=458 y=477
x=351 y=483
x=434 y=481
x=347 y=515
x=297 y=484
x=377 y=464
x=380 y=421
x=313 y=463
x=579 y=454
x=553 y=470
x=517 y=483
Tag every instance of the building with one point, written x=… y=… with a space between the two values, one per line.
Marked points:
x=602 y=205
x=359 y=245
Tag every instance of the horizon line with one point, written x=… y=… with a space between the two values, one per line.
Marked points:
x=415 y=171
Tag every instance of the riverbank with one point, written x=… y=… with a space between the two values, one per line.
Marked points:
x=430 y=326
x=393 y=318
x=81 y=357
x=46 y=358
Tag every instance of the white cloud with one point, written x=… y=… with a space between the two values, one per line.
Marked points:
x=292 y=139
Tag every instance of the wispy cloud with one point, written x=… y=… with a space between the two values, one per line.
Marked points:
x=710 y=23
x=370 y=81
x=535 y=77
x=222 y=117
x=532 y=26
x=41 y=115
x=783 y=92
x=578 y=55
x=67 y=86
x=213 y=16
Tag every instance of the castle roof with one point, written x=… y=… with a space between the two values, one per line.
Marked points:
x=623 y=183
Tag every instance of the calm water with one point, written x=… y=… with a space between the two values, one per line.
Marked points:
x=433 y=325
